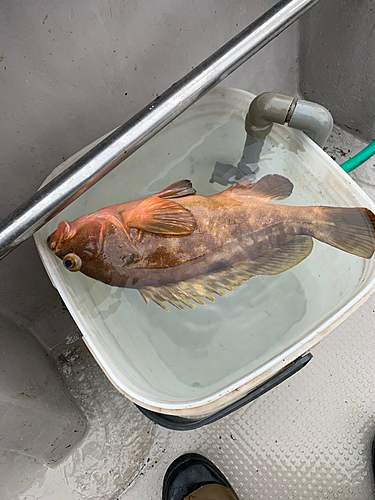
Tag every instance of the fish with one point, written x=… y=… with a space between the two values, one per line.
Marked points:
x=179 y=248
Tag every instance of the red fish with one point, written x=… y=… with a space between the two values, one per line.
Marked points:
x=178 y=247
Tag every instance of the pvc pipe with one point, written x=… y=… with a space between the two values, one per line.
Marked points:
x=269 y=108
x=315 y=120
x=130 y=136
x=265 y=110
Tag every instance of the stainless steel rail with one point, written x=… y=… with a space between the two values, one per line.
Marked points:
x=121 y=143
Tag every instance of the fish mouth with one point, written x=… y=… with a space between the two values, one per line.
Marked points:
x=60 y=237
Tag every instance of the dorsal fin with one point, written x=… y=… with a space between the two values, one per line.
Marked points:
x=157 y=215
x=177 y=190
x=276 y=261
x=268 y=188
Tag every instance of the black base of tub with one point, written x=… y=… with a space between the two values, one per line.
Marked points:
x=187 y=424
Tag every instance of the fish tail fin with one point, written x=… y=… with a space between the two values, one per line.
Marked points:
x=349 y=229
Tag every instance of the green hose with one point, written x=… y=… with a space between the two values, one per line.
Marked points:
x=359 y=158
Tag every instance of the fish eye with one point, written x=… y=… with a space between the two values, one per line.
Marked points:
x=72 y=262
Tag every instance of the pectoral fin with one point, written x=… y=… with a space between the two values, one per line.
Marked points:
x=268 y=188
x=157 y=215
x=276 y=261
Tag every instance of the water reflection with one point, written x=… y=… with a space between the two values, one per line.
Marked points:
x=246 y=168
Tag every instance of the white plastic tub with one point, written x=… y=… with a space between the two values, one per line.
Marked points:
x=192 y=364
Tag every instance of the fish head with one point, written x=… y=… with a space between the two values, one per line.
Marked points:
x=78 y=243
x=90 y=244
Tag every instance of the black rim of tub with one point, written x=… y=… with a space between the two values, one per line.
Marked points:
x=187 y=424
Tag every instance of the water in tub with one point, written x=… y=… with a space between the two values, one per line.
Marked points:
x=194 y=353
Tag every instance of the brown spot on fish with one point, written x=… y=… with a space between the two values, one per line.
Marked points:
x=131 y=259
x=135 y=281
x=161 y=258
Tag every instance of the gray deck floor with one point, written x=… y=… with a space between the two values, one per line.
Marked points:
x=309 y=438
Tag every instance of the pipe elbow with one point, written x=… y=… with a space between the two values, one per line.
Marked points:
x=269 y=108
x=315 y=120
x=265 y=110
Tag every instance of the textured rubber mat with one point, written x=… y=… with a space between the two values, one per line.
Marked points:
x=309 y=438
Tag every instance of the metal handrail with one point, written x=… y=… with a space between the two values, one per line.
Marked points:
x=130 y=136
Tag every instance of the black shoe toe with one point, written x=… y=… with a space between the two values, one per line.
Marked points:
x=188 y=473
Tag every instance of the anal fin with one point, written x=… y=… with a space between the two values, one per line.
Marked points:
x=282 y=258
x=276 y=261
